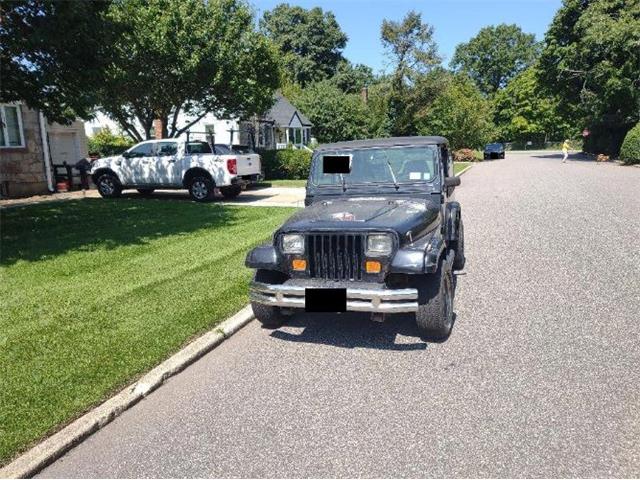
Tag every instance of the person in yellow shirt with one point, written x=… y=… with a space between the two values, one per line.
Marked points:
x=565 y=151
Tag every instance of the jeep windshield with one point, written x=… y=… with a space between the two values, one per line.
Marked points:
x=394 y=166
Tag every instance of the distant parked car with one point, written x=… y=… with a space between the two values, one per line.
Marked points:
x=494 y=150
x=175 y=164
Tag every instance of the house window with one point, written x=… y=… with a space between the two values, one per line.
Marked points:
x=11 y=134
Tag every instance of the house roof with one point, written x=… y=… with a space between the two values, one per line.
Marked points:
x=283 y=112
x=385 y=142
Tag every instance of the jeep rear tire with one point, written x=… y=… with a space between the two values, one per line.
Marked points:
x=231 y=191
x=109 y=186
x=201 y=189
x=146 y=191
x=434 y=317
x=460 y=259
x=269 y=317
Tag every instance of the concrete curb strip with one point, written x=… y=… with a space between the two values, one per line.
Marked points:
x=464 y=170
x=58 y=444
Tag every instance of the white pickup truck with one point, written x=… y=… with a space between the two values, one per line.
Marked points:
x=176 y=164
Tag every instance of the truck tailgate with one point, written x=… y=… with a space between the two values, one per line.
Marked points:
x=248 y=164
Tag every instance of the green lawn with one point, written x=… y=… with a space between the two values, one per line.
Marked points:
x=459 y=166
x=96 y=292
x=284 y=183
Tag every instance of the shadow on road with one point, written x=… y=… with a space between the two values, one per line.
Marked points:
x=575 y=157
x=354 y=330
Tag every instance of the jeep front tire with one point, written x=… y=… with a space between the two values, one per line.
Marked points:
x=434 y=317
x=268 y=316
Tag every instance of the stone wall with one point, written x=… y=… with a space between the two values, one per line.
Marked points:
x=22 y=169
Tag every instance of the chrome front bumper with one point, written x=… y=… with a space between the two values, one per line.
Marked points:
x=381 y=300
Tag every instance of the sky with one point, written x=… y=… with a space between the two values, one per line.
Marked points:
x=454 y=21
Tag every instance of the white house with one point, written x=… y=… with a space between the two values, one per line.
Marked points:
x=282 y=125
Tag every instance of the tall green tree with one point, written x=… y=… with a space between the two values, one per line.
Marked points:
x=352 y=78
x=495 y=55
x=53 y=54
x=591 y=58
x=310 y=41
x=461 y=113
x=191 y=56
x=523 y=111
x=335 y=115
x=413 y=52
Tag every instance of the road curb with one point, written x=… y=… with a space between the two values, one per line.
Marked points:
x=49 y=450
x=464 y=170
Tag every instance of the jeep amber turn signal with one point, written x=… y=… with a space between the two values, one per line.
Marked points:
x=298 y=264
x=373 y=267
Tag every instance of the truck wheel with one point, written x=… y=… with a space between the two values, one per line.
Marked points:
x=269 y=317
x=201 y=189
x=460 y=259
x=435 y=303
x=109 y=186
x=146 y=191
x=230 y=192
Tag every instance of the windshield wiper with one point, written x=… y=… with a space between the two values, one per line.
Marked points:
x=393 y=175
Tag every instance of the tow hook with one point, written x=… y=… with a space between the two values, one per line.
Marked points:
x=377 y=317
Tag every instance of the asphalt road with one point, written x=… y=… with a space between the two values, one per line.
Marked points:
x=540 y=378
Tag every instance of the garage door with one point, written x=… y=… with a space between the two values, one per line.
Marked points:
x=64 y=147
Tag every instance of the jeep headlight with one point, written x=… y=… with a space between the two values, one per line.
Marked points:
x=292 y=243
x=379 y=244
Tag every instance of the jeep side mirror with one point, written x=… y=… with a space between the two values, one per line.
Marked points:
x=452 y=181
x=126 y=154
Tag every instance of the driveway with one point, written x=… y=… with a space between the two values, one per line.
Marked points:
x=539 y=378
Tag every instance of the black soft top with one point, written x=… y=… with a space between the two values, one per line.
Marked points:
x=384 y=142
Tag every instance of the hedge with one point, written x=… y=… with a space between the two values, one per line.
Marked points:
x=630 y=151
x=287 y=164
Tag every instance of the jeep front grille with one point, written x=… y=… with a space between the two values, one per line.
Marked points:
x=335 y=256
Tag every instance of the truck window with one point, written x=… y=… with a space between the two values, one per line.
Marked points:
x=166 y=148
x=198 y=147
x=142 y=150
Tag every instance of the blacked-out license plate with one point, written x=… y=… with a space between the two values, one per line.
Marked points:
x=325 y=299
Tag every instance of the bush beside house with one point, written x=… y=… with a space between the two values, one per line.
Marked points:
x=105 y=143
x=630 y=151
x=288 y=164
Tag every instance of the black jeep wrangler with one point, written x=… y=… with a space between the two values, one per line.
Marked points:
x=380 y=233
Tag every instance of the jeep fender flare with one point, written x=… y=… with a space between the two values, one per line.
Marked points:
x=452 y=221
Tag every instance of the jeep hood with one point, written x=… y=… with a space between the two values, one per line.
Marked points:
x=366 y=213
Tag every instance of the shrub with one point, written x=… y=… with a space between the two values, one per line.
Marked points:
x=630 y=151
x=105 y=143
x=466 y=155
x=288 y=164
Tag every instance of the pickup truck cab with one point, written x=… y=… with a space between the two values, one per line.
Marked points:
x=176 y=164
x=381 y=233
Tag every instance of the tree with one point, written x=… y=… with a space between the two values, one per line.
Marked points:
x=413 y=52
x=495 y=55
x=52 y=55
x=106 y=143
x=460 y=113
x=524 y=112
x=310 y=41
x=191 y=56
x=591 y=59
x=335 y=115
x=352 y=78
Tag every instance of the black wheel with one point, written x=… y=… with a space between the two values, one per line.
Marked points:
x=109 y=186
x=146 y=191
x=459 y=260
x=230 y=192
x=435 y=304
x=269 y=317
x=201 y=189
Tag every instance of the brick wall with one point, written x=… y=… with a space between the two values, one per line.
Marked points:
x=22 y=169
